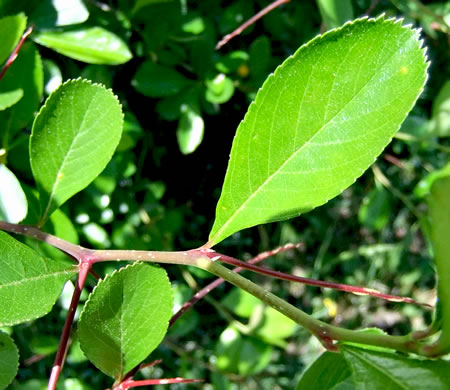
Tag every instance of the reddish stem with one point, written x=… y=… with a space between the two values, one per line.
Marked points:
x=15 y=52
x=84 y=267
x=249 y=22
x=216 y=283
x=149 y=382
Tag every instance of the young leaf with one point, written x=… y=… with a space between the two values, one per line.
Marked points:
x=93 y=45
x=327 y=372
x=190 y=129
x=13 y=202
x=29 y=283
x=73 y=138
x=9 y=360
x=439 y=206
x=125 y=318
x=376 y=370
x=319 y=122
x=26 y=74
x=11 y=29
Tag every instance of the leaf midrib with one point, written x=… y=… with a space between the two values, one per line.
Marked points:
x=325 y=125
x=32 y=279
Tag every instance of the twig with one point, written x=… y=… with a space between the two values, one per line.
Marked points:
x=249 y=22
x=15 y=52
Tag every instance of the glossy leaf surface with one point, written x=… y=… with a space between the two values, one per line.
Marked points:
x=327 y=372
x=126 y=317
x=9 y=360
x=190 y=129
x=375 y=370
x=29 y=282
x=93 y=45
x=320 y=121
x=73 y=138
x=13 y=202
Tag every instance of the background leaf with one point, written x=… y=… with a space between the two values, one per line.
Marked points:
x=9 y=360
x=335 y=12
x=11 y=29
x=28 y=282
x=93 y=45
x=126 y=318
x=73 y=138
x=376 y=370
x=13 y=202
x=315 y=127
x=57 y=13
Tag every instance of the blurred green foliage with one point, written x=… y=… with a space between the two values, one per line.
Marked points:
x=183 y=101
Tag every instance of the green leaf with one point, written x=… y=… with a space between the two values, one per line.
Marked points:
x=125 y=318
x=52 y=76
x=219 y=90
x=28 y=282
x=335 y=12
x=58 y=13
x=73 y=138
x=327 y=372
x=375 y=209
x=439 y=212
x=441 y=112
x=190 y=129
x=9 y=98
x=9 y=360
x=25 y=74
x=377 y=370
x=155 y=80
x=13 y=202
x=275 y=327
x=240 y=302
x=423 y=188
x=315 y=126
x=93 y=45
x=11 y=29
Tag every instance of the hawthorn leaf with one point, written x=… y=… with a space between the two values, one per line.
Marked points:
x=9 y=360
x=93 y=45
x=155 y=80
x=126 y=318
x=29 y=282
x=441 y=112
x=25 y=74
x=319 y=122
x=13 y=202
x=328 y=372
x=58 y=13
x=190 y=129
x=439 y=212
x=9 y=98
x=11 y=29
x=73 y=138
x=393 y=371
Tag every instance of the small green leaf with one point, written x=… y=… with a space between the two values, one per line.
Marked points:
x=190 y=129
x=25 y=74
x=315 y=126
x=376 y=370
x=240 y=302
x=275 y=327
x=219 y=90
x=125 y=318
x=327 y=372
x=439 y=212
x=9 y=98
x=423 y=188
x=93 y=45
x=375 y=209
x=11 y=29
x=9 y=360
x=58 y=13
x=52 y=76
x=441 y=112
x=335 y=12
x=28 y=282
x=155 y=80
x=13 y=202
x=73 y=138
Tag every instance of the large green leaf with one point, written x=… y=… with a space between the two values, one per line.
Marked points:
x=29 y=283
x=13 y=202
x=73 y=138
x=94 y=45
x=319 y=122
x=125 y=318
x=439 y=210
x=376 y=370
x=328 y=372
x=9 y=360
x=11 y=29
x=25 y=74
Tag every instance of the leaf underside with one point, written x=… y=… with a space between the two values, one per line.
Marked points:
x=319 y=122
